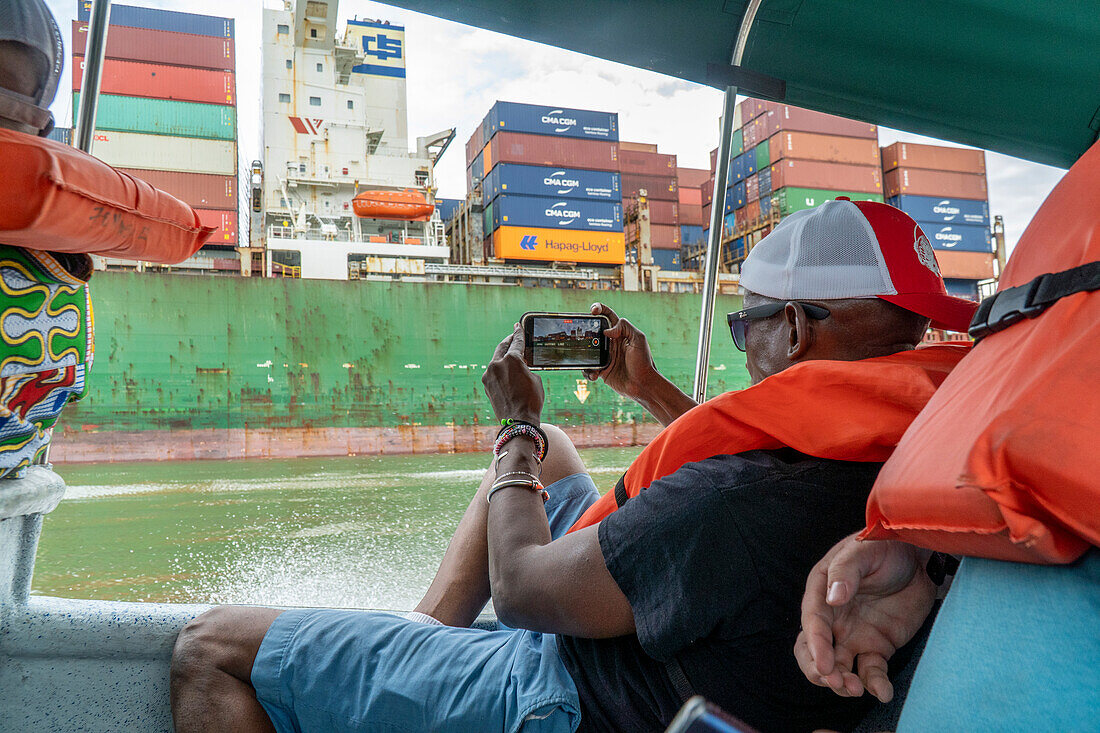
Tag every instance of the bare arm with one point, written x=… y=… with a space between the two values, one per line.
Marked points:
x=560 y=586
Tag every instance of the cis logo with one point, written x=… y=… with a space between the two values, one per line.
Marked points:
x=385 y=48
x=528 y=242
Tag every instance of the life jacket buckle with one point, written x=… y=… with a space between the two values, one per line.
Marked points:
x=1005 y=308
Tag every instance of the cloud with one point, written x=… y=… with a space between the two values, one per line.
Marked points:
x=456 y=72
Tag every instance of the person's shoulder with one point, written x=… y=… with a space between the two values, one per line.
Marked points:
x=739 y=470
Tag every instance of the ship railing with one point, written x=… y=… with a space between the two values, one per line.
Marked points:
x=342 y=235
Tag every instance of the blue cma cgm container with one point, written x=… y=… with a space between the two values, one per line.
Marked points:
x=540 y=119
x=162 y=20
x=562 y=183
x=959 y=237
x=556 y=213
x=943 y=211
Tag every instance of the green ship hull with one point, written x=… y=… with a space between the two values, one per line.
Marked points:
x=209 y=367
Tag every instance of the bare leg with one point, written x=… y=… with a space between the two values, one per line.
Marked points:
x=211 y=688
x=461 y=585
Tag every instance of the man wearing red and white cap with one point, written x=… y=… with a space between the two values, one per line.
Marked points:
x=685 y=579
x=854 y=249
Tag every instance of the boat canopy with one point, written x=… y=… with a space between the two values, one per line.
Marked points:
x=1015 y=76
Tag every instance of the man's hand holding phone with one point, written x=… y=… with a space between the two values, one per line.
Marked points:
x=513 y=389
x=632 y=373
x=630 y=370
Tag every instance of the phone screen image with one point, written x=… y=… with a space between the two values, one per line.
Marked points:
x=565 y=342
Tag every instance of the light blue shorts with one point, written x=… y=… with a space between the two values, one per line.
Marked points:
x=1014 y=648
x=330 y=670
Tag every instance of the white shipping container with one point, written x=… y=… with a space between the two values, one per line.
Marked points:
x=166 y=153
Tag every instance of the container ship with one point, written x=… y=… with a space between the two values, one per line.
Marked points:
x=355 y=309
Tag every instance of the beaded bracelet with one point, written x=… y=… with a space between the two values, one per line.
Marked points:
x=508 y=422
x=517 y=429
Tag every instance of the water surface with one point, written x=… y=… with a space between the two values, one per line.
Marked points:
x=362 y=532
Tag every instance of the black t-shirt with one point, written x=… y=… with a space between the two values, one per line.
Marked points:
x=713 y=560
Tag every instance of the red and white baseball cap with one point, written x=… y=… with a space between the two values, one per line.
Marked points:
x=854 y=249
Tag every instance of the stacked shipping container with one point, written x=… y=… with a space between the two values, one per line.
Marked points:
x=690 y=182
x=944 y=190
x=785 y=159
x=167 y=108
x=549 y=183
x=645 y=169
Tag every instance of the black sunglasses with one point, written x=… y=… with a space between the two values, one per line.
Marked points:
x=739 y=321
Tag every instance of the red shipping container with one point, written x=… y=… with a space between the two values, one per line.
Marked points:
x=935 y=157
x=474 y=145
x=750 y=134
x=691 y=177
x=965 y=265
x=689 y=196
x=707 y=190
x=832 y=176
x=752 y=188
x=752 y=213
x=941 y=184
x=816 y=146
x=225 y=222
x=664 y=212
x=161 y=47
x=154 y=81
x=713 y=161
x=646 y=164
x=739 y=217
x=785 y=117
x=201 y=190
x=567 y=152
x=638 y=147
x=661 y=236
x=706 y=216
x=656 y=187
x=690 y=214
x=752 y=108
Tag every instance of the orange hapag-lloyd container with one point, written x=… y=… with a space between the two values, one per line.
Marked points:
x=934 y=157
x=559 y=245
x=155 y=81
x=965 y=265
x=942 y=184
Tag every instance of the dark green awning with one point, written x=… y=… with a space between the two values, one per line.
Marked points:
x=1017 y=76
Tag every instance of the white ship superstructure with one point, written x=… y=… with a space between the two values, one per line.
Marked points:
x=335 y=124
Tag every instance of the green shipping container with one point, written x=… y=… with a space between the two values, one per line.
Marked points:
x=164 y=117
x=790 y=199
x=738 y=144
x=763 y=159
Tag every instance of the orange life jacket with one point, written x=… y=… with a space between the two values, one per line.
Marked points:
x=56 y=198
x=840 y=410
x=1004 y=461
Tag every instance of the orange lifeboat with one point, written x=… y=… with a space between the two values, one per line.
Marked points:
x=404 y=205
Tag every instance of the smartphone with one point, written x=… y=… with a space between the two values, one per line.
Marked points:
x=699 y=716
x=565 y=340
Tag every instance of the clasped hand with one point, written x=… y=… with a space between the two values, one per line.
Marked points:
x=863 y=601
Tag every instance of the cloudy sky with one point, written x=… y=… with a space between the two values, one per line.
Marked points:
x=456 y=72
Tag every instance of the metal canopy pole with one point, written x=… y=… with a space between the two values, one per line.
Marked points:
x=718 y=210
x=84 y=119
